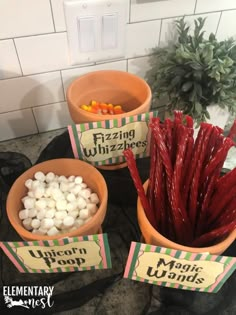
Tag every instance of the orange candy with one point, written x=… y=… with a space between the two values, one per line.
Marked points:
x=103 y=108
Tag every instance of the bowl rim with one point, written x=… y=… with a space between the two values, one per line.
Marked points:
x=27 y=234
x=219 y=247
x=93 y=116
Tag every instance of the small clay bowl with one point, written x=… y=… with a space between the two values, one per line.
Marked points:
x=67 y=167
x=153 y=237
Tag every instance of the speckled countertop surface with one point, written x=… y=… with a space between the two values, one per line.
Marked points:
x=32 y=145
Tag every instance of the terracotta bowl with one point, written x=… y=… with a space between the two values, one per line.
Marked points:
x=151 y=236
x=109 y=86
x=92 y=177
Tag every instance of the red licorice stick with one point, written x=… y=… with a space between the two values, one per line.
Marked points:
x=218 y=204
x=226 y=181
x=207 y=238
x=194 y=190
x=228 y=214
x=158 y=135
x=212 y=145
x=180 y=214
x=159 y=194
x=138 y=184
x=152 y=175
x=187 y=162
x=189 y=121
x=204 y=202
x=189 y=177
x=218 y=157
x=169 y=137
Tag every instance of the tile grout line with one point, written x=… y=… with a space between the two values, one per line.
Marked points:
x=194 y=11
x=35 y=106
x=18 y=60
x=129 y=11
x=159 y=39
x=218 y=24
x=34 y=119
x=63 y=87
x=53 y=21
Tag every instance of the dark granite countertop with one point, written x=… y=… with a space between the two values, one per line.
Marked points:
x=105 y=292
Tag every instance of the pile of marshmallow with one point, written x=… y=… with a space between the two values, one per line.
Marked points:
x=57 y=204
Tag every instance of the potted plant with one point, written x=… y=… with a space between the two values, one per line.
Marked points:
x=195 y=73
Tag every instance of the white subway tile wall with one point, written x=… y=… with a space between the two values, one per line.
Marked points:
x=52 y=116
x=9 y=63
x=35 y=69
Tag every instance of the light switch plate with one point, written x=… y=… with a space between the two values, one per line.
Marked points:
x=96 y=29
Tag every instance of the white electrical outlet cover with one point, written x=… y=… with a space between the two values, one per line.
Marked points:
x=96 y=30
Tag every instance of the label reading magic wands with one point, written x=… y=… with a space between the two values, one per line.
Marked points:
x=103 y=142
x=178 y=269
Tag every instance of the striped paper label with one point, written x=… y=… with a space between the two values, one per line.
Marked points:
x=178 y=269
x=103 y=142
x=63 y=255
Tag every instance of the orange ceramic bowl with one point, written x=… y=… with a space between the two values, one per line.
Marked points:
x=67 y=167
x=108 y=86
x=153 y=237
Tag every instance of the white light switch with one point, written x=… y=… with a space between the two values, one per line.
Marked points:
x=86 y=31
x=109 y=31
x=96 y=30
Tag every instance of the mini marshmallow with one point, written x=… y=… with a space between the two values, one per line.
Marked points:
x=71 y=197
x=24 y=214
x=50 y=177
x=62 y=179
x=57 y=194
x=81 y=203
x=71 y=206
x=71 y=178
x=28 y=183
x=35 y=223
x=78 y=180
x=50 y=213
x=60 y=215
x=79 y=222
x=94 y=198
x=68 y=221
x=51 y=203
x=47 y=223
x=92 y=207
x=84 y=214
x=41 y=204
x=39 y=176
x=61 y=205
x=83 y=185
x=31 y=194
x=41 y=214
x=64 y=186
x=39 y=192
x=32 y=213
x=29 y=202
x=54 y=184
x=74 y=213
x=85 y=193
x=52 y=231
x=41 y=231
x=76 y=189
x=35 y=184
x=27 y=224
x=57 y=223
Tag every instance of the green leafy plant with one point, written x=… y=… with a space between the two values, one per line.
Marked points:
x=195 y=72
